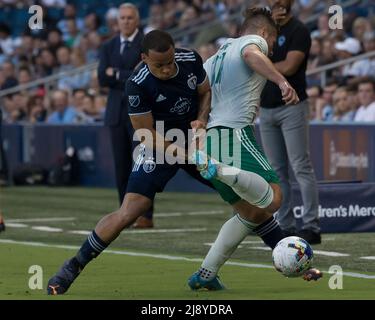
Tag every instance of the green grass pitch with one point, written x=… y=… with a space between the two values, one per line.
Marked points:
x=185 y=223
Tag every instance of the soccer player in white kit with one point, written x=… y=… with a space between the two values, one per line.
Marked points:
x=237 y=75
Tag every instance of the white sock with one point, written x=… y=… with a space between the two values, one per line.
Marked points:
x=230 y=236
x=248 y=185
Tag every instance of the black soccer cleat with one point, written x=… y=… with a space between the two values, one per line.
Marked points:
x=63 y=279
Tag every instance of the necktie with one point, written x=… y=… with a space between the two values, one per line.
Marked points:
x=124 y=44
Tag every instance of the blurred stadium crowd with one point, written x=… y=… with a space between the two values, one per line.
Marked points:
x=74 y=31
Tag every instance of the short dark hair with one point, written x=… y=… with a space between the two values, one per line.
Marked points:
x=366 y=80
x=157 y=40
x=257 y=17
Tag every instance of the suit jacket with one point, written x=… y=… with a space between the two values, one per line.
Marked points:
x=116 y=111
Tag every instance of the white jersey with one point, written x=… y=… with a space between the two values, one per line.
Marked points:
x=236 y=88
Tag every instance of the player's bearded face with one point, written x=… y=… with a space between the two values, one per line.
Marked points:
x=161 y=64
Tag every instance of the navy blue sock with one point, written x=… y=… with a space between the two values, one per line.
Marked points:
x=270 y=232
x=90 y=249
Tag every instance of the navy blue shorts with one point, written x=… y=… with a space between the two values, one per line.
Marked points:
x=147 y=178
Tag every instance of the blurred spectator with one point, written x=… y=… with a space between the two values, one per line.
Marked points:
x=6 y=41
x=54 y=40
x=360 y=27
x=94 y=43
x=77 y=98
x=347 y=49
x=228 y=7
x=341 y=104
x=170 y=14
x=83 y=116
x=16 y=107
x=305 y=8
x=63 y=113
x=63 y=59
x=366 y=97
x=314 y=61
x=324 y=105
x=54 y=3
x=70 y=16
x=100 y=103
x=352 y=90
x=155 y=17
x=91 y=22
x=111 y=23
x=73 y=35
x=25 y=50
x=90 y=110
x=9 y=75
x=365 y=67
x=78 y=80
x=35 y=110
x=323 y=27
x=314 y=94
x=45 y=63
x=314 y=55
x=24 y=75
x=327 y=52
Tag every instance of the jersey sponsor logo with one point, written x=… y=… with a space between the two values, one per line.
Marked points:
x=149 y=165
x=134 y=101
x=160 y=98
x=182 y=106
x=281 y=40
x=192 y=81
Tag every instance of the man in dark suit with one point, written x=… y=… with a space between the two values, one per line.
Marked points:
x=118 y=57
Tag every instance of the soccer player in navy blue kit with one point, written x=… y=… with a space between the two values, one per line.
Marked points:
x=169 y=86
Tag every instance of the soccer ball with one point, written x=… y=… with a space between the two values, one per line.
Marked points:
x=292 y=256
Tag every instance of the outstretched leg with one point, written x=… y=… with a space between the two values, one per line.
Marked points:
x=107 y=230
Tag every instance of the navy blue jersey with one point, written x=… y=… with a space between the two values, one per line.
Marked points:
x=174 y=101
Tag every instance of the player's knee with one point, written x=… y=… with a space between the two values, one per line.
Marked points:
x=133 y=206
x=277 y=199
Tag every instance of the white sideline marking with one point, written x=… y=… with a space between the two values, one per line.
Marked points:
x=133 y=231
x=87 y=232
x=252 y=242
x=318 y=252
x=42 y=219
x=84 y=232
x=46 y=229
x=260 y=248
x=368 y=258
x=169 y=257
x=16 y=225
x=165 y=230
x=190 y=213
x=331 y=253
